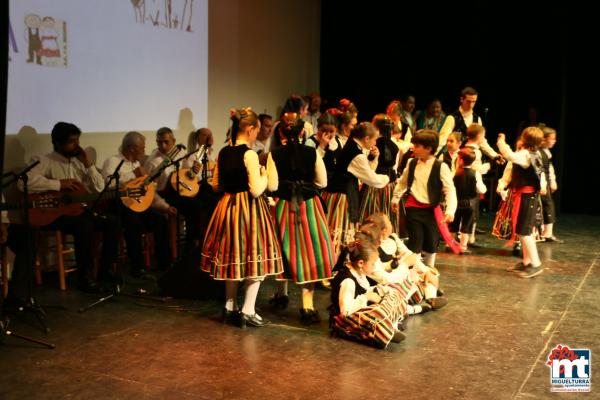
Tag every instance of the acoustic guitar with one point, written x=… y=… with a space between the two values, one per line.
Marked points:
x=46 y=207
x=189 y=184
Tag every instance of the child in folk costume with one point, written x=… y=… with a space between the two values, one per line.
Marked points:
x=359 y=311
x=341 y=195
x=475 y=139
x=548 y=208
x=502 y=227
x=450 y=156
x=424 y=181
x=469 y=185
x=527 y=181
x=397 y=263
x=373 y=199
x=299 y=217
x=241 y=242
x=326 y=141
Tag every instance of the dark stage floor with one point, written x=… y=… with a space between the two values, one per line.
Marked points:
x=490 y=342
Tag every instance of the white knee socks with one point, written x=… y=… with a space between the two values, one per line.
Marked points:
x=231 y=288
x=530 y=253
x=252 y=287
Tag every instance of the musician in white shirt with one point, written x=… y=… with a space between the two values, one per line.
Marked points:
x=132 y=153
x=166 y=199
x=68 y=168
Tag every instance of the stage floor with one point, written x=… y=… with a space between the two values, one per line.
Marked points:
x=490 y=342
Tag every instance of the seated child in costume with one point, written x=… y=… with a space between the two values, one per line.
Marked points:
x=359 y=311
x=397 y=263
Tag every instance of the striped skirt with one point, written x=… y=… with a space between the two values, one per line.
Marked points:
x=305 y=241
x=241 y=241
x=375 y=324
x=341 y=229
x=373 y=200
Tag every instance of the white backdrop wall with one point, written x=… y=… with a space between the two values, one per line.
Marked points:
x=259 y=52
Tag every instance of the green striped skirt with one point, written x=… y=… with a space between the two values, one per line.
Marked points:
x=305 y=241
x=241 y=241
x=373 y=200
x=341 y=229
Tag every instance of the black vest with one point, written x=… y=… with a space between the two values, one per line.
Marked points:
x=460 y=125
x=233 y=176
x=388 y=151
x=465 y=183
x=546 y=162
x=336 y=283
x=434 y=183
x=344 y=182
x=527 y=176
x=331 y=157
x=296 y=171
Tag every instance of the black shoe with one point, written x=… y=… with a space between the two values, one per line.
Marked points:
x=398 y=337
x=309 y=317
x=480 y=231
x=466 y=252
x=530 y=272
x=280 y=302
x=517 y=249
x=253 y=320
x=553 y=239
x=475 y=245
x=425 y=307
x=518 y=267
x=143 y=275
x=440 y=292
x=88 y=286
x=231 y=317
x=437 y=302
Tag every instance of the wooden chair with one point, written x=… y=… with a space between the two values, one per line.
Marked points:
x=59 y=250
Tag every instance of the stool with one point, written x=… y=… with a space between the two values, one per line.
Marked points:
x=60 y=250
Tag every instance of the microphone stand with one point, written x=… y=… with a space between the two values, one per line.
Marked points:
x=177 y=224
x=114 y=176
x=166 y=165
x=33 y=306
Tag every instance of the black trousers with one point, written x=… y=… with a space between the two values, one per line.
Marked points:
x=82 y=227
x=134 y=225
x=548 y=209
x=423 y=233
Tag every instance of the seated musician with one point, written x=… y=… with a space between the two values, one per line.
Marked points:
x=134 y=224
x=68 y=168
x=167 y=199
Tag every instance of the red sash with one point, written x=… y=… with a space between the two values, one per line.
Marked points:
x=516 y=199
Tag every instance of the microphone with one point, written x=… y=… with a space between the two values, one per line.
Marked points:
x=181 y=146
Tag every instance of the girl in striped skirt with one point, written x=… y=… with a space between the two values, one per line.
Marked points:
x=341 y=195
x=375 y=200
x=300 y=219
x=359 y=311
x=241 y=242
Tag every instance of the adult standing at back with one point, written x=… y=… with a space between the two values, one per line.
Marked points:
x=461 y=119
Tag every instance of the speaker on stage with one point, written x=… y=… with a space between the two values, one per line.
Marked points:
x=186 y=280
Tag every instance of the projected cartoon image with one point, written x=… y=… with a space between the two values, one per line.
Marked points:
x=32 y=23
x=172 y=14
x=46 y=41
